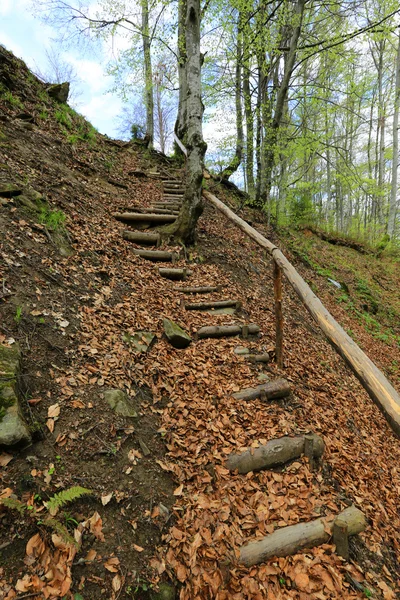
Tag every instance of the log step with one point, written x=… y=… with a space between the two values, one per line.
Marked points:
x=293 y=538
x=275 y=452
x=173 y=189
x=157 y=255
x=218 y=331
x=174 y=274
x=163 y=211
x=138 y=237
x=150 y=217
x=279 y=388
x=199 y=290
x=213 y=305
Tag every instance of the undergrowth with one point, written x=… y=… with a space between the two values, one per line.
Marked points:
x=52 y=506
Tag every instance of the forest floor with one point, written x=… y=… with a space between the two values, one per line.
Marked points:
x=164 y=508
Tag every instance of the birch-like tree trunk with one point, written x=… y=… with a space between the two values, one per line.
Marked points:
x=237 y=159
x=148 y=75
x=248 y=111
x=395 y=161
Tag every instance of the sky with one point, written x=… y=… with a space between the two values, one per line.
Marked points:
x=27 y=37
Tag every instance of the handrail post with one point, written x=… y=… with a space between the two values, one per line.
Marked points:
x=278 y=314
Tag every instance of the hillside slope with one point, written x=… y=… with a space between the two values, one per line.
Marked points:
x=164 y=508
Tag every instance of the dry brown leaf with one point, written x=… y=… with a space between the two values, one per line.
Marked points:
x=105 y=499
x=301 y=580
x=116 y=583
x=179 y=490
x=53 y=411
x=112 y=564
x=138 y=548
x=5 y=459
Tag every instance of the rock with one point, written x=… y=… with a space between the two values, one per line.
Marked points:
x=8 y=190
x=141 y=341
x=166 y=591
x=27 y=117
x=241 y=350
x=263 y=377
x=120 y=403
x=177 y=337
x=59 y=91
x=13 y=429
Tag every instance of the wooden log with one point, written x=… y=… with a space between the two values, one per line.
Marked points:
x=258 y=358
x=163 y=211
x=218 y=331
x=174 y=274
x=138 y=237
x=279 y=388
x=211 y=305
x=278 y=314
x=156 y=255
x=290 y=540
x=377 y=385
x=275 y=452
x=199 y=290
x=340 y=534
x=151 y=217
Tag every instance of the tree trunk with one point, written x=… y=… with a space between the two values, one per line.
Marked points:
x=181 y=119
x=237 y=159
x=249 y=122
x=192 y=207
x=395 y=160
x=273 y=128
x=148 y=75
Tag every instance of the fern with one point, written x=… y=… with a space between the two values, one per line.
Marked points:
x=14 y=504
x=62 y=498
x=61 y=530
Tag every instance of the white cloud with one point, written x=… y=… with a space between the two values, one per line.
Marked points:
x=90 y=71
x=101 y=112
x=11 y=45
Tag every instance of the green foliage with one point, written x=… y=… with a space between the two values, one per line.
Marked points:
x=62 y=498
x=53 y=505
x=52 y=219
x=63 y=117
x=18 y=315
x=137 y=131
x=7 y=96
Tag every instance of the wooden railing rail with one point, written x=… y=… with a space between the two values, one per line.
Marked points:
x=371 y=378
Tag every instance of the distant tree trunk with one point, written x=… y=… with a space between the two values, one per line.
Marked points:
x=395 y=161
x=237 y=159
x=258 y=128
x=248 y=110
x=272 y=129
x=181 y=120
x=185 y=226
x=148 y=75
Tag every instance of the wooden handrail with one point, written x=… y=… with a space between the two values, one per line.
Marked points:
x=181 y=146
x=371 y=378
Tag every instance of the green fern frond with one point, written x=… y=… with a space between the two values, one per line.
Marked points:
x=14 y=504
x=61 y=530
x=62 y=498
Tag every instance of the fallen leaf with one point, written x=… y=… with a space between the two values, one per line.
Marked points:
x=5 y=459
x=53 y=411
x=112 y=564
x=179 y=490
x=138 y=548
x=105 y=499
x=116 y=583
